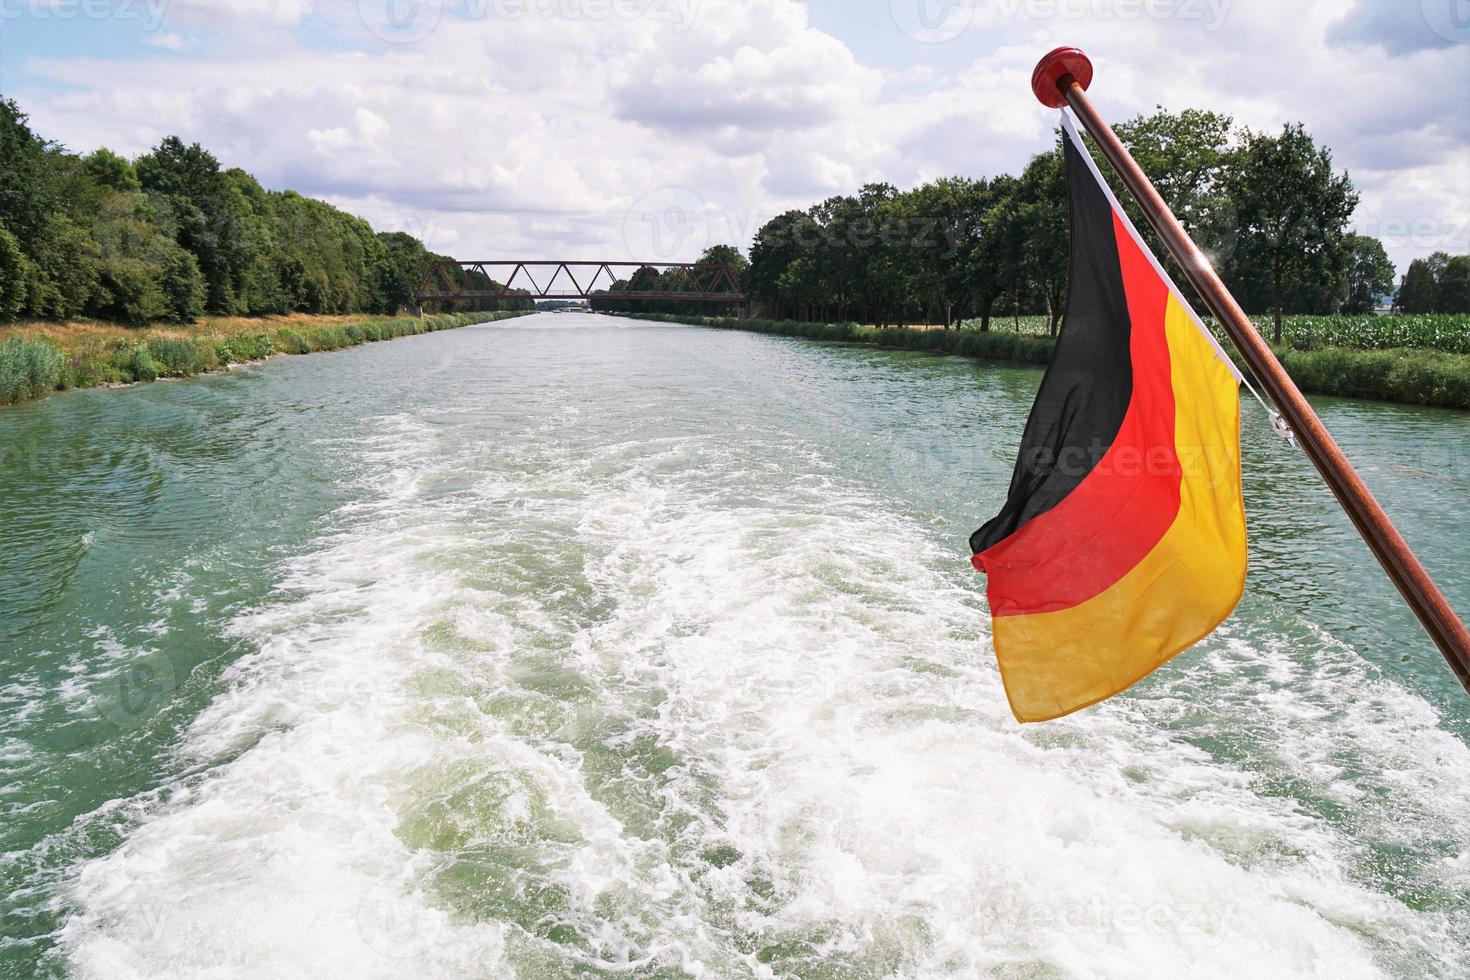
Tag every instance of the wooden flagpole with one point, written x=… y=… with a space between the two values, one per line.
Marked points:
x=1062 y=78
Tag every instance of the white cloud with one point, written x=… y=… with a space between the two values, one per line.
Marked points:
x=369 y=134
x=1401 y=27
x=608 y=136
x=168 y=42
x=756 y=66
x=275 y=13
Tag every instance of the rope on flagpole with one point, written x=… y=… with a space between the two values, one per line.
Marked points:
x=1278 y=424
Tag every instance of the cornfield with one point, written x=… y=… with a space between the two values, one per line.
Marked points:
x=1447 y=333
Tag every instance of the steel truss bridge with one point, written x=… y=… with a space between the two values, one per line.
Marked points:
x=699 y=282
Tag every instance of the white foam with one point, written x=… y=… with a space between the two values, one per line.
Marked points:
x=629 y=707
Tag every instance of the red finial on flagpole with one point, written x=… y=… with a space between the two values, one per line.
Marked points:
x=1046 y=81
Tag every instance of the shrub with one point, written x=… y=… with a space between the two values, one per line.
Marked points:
x=28 y=369
x=140 y=364
x=180 y=358
x=90 y=368
x=291 y=341
x=244 y=347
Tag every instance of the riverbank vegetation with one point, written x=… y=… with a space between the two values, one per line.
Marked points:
x=36 y=358
x=172 y=235
x=1407 y=375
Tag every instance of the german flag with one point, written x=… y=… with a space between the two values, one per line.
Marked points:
x=1122 y=542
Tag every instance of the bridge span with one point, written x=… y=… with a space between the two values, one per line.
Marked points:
x=698 y=282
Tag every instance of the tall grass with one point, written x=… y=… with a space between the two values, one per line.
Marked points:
x=1407 y=375
x=30 y=368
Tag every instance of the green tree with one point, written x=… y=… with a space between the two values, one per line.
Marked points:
x=66 y=278
x=1369 y=276
x=802 y=282
x=997 y=259
x=778 y=244
x=946 y=218
x=26 y=201
x=731 y=258
x=1419 y=290
x=1046 y=227
x=15 y=276
x=1292 y=212
x=182 y=284
x=129 y=291
x=403 y=265
x=36 y=181
x=1185 y=155
x=1452 y=291
x=190 y=172
x=142 y=275
x=111 y=171
x=250 y=218
x=728 y=256
x=220 y=216
x=188 y=191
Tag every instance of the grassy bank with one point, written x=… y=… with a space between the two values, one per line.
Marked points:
x=39 y=357
x=1406 y=375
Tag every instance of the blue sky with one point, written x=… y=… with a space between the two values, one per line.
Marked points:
x=650 y=128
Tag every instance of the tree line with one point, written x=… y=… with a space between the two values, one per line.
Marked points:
x=1269 y=209
x=1438 y=284
x=173 y=235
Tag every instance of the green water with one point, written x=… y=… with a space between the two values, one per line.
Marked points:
x=572 y=646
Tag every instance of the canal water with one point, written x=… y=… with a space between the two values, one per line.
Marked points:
x=580 y=647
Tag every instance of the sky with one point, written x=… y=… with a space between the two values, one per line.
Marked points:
x=646 y=130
